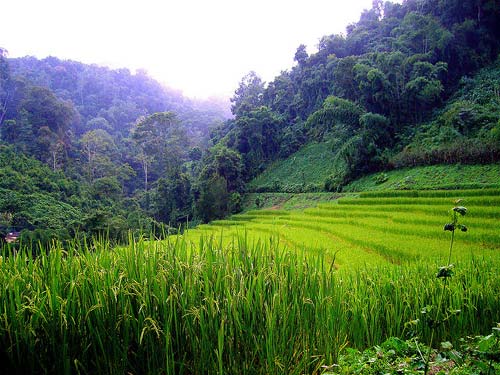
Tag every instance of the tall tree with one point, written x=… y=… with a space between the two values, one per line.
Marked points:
x=5 y=83
x=162 y=142
x=98 y=147
x=248 y=95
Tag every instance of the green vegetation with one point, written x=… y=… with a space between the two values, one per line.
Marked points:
x=92 y=159
x=431 y=177
x=268 y=291
x=374 y=229
x=408 y=84
x=471 y=356
x=403 y=87
x=287 y=201
x=88 y=146
x=309 y=168
x=466 y=130
x=305 y=170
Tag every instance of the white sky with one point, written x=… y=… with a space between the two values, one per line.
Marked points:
x=202 y=47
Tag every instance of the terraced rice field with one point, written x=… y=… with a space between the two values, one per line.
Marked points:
x=373 y=228
x=255 y=294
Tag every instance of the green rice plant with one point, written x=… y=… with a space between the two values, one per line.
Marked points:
x=476 y=201
x=246 y=305
x=483 y=211
x=253 y=294
x=429 y=193
x=268 y=213
x=382 y=230
x=224 y=223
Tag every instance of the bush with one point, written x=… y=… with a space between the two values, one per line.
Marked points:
x=472 y=151
x=380 y=178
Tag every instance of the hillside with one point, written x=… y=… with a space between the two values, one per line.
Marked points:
x=305 y=170
x=464 y=131
x=457 y=176
x=117 y=96
x=104 y=133
x=344 y=219
x=287 y=176
x=409 y=84
x=34 y=198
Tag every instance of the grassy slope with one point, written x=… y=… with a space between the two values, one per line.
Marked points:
x=311 y=165
x=432 y=177
x=307 y=169
x=436 y=177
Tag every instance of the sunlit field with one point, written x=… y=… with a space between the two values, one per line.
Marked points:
x=377 y=228
x=265 y=292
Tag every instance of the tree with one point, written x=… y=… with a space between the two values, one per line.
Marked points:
x=214 y=199
x=172 y=201
x=248 y=96
x=162 y=144
x=98 y=147
x=226 y=163
x=98 y=123
x=301 y=55
x=335 y=112
x=49 y=119
x=279 y=95
x=422 y=34
x=5 y=83
x=53 y=144
x=256 y=137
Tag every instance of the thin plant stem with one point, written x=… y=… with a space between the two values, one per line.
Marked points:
x=452 y=237
x=443 y=288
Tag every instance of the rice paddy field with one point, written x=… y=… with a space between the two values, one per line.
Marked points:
x=264 y=292
x=373 y=228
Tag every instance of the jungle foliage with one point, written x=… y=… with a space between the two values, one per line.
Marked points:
x=408 y=84
x=399 y=88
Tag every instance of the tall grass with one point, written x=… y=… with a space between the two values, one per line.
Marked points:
x=243 y=307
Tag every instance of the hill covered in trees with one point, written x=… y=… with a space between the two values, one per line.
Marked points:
x=99 y=146
x=408 y=84
x=400 y=88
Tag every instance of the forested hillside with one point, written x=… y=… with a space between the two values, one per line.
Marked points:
x=87 y=150
x=465 y=130
x=408 y=84
x=397 y=89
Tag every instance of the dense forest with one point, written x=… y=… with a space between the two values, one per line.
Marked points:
x=88 y=151
x=408 y=84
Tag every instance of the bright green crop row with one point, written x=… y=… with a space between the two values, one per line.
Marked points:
x=431 y=193
x=471 y=201
x=415 y=209
x=365 y=230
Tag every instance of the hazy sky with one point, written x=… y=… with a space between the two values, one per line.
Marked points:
x=202 y=47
